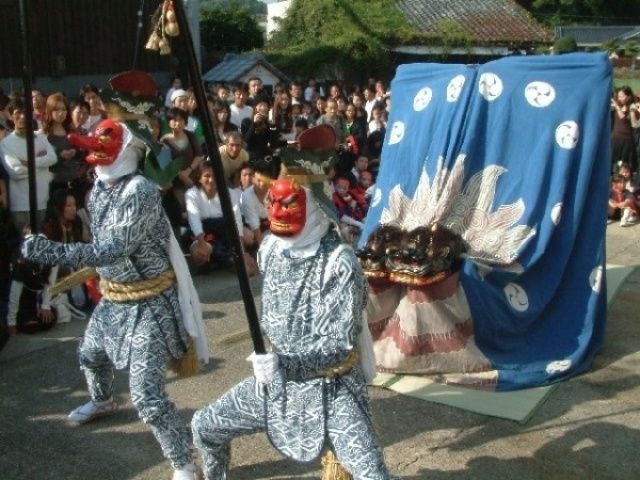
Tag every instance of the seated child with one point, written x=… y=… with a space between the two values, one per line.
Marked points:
x=245 y=177
x=630 y=183
x=252 y=205
x=351 y=208
x=365 y=186
x=622 y=203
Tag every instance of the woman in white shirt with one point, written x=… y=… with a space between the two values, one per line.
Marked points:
x=211 y=243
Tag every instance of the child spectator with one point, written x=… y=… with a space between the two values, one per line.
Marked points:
x=351 y=209
x=245 y=176
x=254 y=212
x=360 y=165
x=377 y=122
x=365 y=186
x=622 y=203
x=630 y=183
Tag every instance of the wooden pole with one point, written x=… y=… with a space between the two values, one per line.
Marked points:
x=28 y=112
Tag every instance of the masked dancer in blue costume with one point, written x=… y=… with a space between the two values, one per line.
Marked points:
x=309 y=393
x=149 y=308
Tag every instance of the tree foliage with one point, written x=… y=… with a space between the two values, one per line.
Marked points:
x=584 y=12
x=229 y=28
x=256 y=7
x=344 y=39
x=565 y=45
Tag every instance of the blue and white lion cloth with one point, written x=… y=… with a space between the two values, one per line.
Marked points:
x=512 y=156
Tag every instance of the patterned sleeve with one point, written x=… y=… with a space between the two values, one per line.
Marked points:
x=137 y=216
x=338 y=323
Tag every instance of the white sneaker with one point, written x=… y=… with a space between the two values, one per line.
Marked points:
x=91 y=410
x=188 y=472
x=624 y=221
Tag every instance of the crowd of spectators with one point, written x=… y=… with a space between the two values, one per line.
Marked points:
x=624 y=196
x=250 y=123
x=62 y=181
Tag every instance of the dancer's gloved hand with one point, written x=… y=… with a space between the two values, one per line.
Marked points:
x=39 y=249
x=265 y=366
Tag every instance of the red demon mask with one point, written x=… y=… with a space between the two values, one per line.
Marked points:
x=103 y=145
x=286 y=207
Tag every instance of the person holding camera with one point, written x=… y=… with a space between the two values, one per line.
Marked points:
x=260 y=136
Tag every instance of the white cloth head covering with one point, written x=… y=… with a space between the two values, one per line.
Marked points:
x=178 y=93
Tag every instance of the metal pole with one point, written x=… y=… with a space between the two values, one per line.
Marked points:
x=28 y=112
x=223 y=191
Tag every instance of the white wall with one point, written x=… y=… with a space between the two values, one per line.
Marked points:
x=276 y=10
x=262 y=73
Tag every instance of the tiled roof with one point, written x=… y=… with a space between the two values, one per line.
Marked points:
x=595 y=35
x=235 y=65
x=483 y=21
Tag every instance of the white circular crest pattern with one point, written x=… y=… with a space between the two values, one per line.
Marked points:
x=556 y=213
x=397 y=133
x=558 y=366
x=595 y=279
x=422 y=99
x=490 y=86
x=568 y=134
x=540 y=94
x=517 y=297
x=454 y=89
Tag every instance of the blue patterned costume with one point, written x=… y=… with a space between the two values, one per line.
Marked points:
x=312 y=315
x=130 y=242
